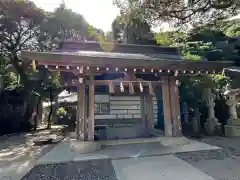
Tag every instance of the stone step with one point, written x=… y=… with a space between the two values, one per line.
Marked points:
x=84 y=146
x=232 y=131
x=233 y=122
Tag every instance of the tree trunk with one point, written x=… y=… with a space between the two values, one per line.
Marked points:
x=51 y=108
x=23 y=76
x=28 y=86
x=36 y=114
x=26 y=124
x=35 y=122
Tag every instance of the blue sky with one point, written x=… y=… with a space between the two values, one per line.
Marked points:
x=99 y=13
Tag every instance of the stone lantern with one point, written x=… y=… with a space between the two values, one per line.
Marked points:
x=233 y=125
x=212 y=126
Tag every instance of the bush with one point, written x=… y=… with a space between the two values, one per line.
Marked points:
x=12 y=109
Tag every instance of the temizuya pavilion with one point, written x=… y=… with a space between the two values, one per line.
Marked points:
x=128 y=70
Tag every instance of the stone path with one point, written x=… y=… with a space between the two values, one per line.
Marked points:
x=62 y=152
x=18 y=154
x=197 y=160
x=123 y=162
x=165 y=167
x=222 y=164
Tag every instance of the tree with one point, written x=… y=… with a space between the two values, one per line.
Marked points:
x=62 y=24
x=211 y=42
x=19 y=25
x=49 y=86
x=23 y=26
x=180 y=13
x=132 y=31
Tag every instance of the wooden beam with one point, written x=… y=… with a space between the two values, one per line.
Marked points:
x=91 y=126
x=130 y=73
x=166 y=107
x=125 y=83
x=106 y=82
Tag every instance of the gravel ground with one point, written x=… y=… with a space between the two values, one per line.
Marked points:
x=18 y=153
x=222 y=164
x=84 y=170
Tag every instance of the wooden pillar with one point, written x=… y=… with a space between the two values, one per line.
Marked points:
x=81 y=103
x=142 y=109
x=91 y=124
x=86 y=109
x=166 y=107
x=175 y=107
x=150 y=112
x=77 y=129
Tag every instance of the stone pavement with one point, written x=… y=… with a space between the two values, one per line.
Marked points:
x=222 y=164
x=18 y=155
x=212 y=158
x=123 y=162
x=62 y=152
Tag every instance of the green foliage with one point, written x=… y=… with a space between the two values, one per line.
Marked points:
x=191 y=56
x=211 y=42
x=10 y=80
x=208 y=42
x=20 y=21
x=132 y=30
x=62 y=24
x=169 y=38
x=181 y=13
x=204 y=34
x=7 y=77
x=26 y=27
x=220 y=81
x=191 y=88
x=233 y=31
x=61 y=111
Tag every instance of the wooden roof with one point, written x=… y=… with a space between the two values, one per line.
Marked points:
x=71 y=46
x=234 y=74
x=232 y=71
x=120 y=56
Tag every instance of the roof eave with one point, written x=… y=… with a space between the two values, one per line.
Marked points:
x=73 y=60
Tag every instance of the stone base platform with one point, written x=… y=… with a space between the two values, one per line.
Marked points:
x=84 y=146
x=166 y=141
x=72 y=134
x=233 y=122
x=92 y=146
x=216 y=131
x=232 y=130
